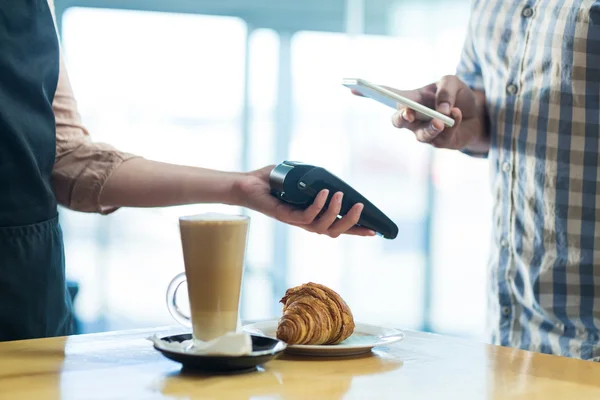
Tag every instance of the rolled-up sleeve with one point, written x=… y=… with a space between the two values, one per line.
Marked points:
x=82 y=166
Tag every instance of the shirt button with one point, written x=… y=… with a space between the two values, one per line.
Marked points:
x=504 y=243
x=512 y=89
x=506 y=311
x=527 y=12
x=506 y=166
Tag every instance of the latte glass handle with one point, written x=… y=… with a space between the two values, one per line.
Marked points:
x=174 y=309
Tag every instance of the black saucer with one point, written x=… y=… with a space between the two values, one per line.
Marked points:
x=264 y=349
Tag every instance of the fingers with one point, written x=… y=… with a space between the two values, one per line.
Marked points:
x=347 y=222
x=307 y=216
x=407 y=118
x=430 y=131
x=434 y=132
x=443 y=97
x=447 y=90
x=403 y=118
x=328 y=223
x=456 y=114
x=353 y=231
x=322 y=224
x=449 y=140
x=425 y=132
x=360 y=231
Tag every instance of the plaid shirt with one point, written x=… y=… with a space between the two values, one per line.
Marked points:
x=538 y=62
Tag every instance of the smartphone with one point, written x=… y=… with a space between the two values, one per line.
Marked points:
x=392 y=99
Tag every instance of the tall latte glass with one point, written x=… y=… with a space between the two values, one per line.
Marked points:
x=214 y=247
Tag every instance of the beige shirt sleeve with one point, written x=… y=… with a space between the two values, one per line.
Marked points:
x=82 y=166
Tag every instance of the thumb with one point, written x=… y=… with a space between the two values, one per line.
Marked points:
x=445 y=97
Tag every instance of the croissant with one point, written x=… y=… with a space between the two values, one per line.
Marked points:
x=313 y=314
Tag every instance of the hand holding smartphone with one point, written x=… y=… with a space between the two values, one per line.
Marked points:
x=392 y=99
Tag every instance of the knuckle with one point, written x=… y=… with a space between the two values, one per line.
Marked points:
x=307 y=219
x=447 y=80
x=442 y=94
x=279 y=217
x=423 y=136
x=397 y=120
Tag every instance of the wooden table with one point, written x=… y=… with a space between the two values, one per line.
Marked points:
x=123 y=365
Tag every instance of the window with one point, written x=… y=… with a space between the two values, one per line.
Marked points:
x=219 y=90
x=192 y=116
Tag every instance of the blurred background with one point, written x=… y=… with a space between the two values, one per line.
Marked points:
x=237 y=85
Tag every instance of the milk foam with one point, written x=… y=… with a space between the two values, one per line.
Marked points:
x=213 y=217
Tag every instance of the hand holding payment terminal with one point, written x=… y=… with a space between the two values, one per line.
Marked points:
x=298 y=184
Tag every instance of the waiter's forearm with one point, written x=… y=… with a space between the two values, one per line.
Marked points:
x=144 y=183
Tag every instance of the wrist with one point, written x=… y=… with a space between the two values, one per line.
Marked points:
x=236 y=195
x=480 y=144
x=210 y=186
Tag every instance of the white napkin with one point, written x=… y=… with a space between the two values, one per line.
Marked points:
x=230 y=344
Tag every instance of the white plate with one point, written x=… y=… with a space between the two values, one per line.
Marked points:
x=364 y=338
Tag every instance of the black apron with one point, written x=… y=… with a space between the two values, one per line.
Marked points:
x=34 y=301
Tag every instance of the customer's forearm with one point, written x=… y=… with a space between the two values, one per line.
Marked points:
x=144 y=183
x=481 y=143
